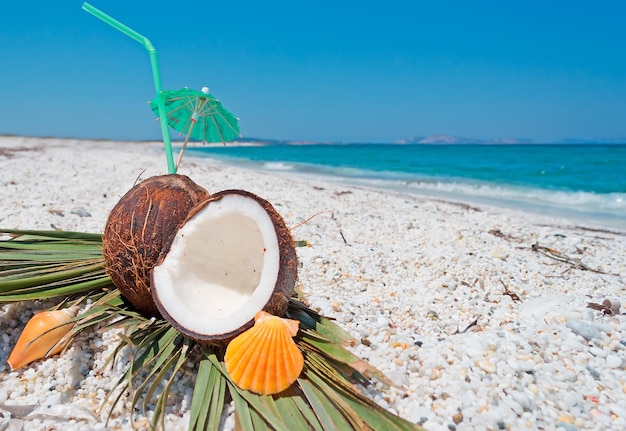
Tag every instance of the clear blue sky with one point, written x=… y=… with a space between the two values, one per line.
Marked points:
x=354 y=71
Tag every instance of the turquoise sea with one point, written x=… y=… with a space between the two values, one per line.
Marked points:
x=586 y=182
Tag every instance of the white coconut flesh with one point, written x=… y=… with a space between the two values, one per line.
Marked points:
x=221 y=268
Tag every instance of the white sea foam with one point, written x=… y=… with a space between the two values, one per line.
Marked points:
x=614 y=204
x=278 y=166
x=574 y=199
x=606 y=208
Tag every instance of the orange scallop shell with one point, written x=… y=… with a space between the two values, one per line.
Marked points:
x=265 y=359
x=41 y=337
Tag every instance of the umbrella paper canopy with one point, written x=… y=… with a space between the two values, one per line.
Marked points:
x=198 y=115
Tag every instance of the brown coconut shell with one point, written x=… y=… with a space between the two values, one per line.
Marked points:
x=285 y=281
x=139 y=227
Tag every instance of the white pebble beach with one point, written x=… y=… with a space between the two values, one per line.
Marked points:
x=462 y=306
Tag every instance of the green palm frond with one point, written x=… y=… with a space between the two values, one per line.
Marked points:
x=48 y=264
x=330 y=393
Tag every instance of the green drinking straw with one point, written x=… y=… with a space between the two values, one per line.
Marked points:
x=156 y=75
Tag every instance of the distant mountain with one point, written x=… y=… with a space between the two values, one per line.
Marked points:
x=259 y=141
x=433 y=139
x=440 y=139
x=450 y=139
x=510 y=141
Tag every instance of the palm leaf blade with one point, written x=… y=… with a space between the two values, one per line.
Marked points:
x=299 y=415
x=207 y=402
x=262 y=404
x=49 y=292
x=243 y=411
x=326 y=412
x=62 y=234
x=172 y=367
x=47 y=264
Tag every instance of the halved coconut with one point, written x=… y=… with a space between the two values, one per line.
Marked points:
x=232 y=257
x=139 y=227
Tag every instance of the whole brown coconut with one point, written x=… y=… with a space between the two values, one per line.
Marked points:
x=139 y=227
x=231 y=258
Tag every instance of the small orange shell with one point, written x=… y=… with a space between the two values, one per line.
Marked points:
x=42 y=332
x=265 y=359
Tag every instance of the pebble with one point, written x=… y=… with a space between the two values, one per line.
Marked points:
x=81 y=212
x=593 y=372
x=523 y=400
x=487 y=366
x=382 y=322
x=458 y=417
x=526 y=366
x=596 y=351
x=613 y=361
x=585 y=330
x=574 y=344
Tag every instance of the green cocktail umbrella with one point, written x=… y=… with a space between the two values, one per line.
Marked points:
x=197 y=115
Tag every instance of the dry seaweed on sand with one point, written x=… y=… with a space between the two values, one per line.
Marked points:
x=330 y=393
x=558 y=256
